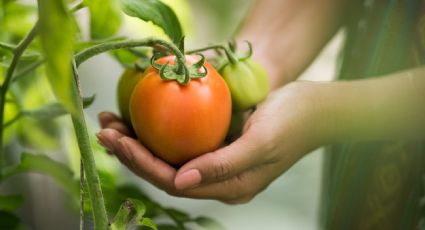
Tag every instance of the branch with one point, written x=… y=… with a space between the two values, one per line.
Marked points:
x=17 y=53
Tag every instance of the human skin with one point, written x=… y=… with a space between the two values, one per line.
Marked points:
x=294 y=120
x=297 y=117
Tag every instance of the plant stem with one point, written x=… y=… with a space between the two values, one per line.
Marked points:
x=7 y=46
x=113 y=45
x=17 y=53
x=88 y=163
x=81 y=195
x=7 y=124
x=98 y=49
x=19 y=75
x=232 y=58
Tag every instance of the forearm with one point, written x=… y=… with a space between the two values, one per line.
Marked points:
x=385 y=108
x=287 y=35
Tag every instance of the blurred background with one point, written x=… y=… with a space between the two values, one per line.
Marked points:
x=290 y=202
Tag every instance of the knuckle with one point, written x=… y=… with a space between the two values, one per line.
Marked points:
x=222 y=169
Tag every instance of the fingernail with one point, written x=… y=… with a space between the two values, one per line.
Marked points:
x=189 y=179
x=104 y=142
x=124 y=149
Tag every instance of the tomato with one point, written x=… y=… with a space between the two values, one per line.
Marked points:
x=180 y=122
x=126 y=84
x=236 y=126
x=248 y=82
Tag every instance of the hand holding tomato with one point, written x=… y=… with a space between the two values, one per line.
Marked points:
x=282 y=129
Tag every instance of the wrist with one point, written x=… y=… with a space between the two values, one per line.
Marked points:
x=313 y=112
x=320 y=102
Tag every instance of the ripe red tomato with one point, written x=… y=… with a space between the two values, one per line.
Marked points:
x=180 y=122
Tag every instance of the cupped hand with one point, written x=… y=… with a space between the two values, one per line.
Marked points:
x=282 y=129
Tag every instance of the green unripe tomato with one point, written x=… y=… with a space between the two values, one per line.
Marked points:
x=248 y=82
x=236 y=126
x=126 y=85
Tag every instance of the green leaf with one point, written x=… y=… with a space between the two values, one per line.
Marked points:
x=88 y=101
x=208 y=223
x=148 y=223
x=53 y=110
x=44 y=165
x=8 y=220
x=48 y=111
x=57 y=38
x=11 y=203
x=131 y=214
x=156 y=12
x=122 y=219
x=105 y=18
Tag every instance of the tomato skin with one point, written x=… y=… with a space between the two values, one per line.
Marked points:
x=248 y=82
x=126 y=84
x=180 y=122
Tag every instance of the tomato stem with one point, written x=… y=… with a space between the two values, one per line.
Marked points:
x=229 y=54
x=151 y=42
x=87 y=158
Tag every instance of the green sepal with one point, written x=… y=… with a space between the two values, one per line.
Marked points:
x=181 y=74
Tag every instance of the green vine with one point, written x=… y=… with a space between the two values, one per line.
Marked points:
x=17 y=53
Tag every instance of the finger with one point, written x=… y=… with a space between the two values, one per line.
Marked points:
x=107 y=138
x=110 y=120
x=221 y=164
x=107 y=117
x=145 y=164
x=238 y=189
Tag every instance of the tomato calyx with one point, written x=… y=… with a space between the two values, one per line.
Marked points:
x=180 y=72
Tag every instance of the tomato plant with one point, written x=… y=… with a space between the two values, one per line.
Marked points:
x=181 y=121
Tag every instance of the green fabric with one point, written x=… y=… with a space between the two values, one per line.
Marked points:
x=378 y=185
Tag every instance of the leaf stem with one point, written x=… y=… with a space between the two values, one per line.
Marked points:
x=17 y=53
x=7 y=46
x=13 y=120
x=19 y=75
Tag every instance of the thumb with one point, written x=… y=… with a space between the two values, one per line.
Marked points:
x=221 y=164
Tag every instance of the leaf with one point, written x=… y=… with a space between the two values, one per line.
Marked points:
x=131 y=214
x=48 y=111
x=122 y=218
x=10 y=203
x=53 y=110
x=156 y=12
x=57 y=38
x=88 y=101
x=8 y=220
x=208 y=223
x=105 y=18
x=44 y=165
x=148 y=223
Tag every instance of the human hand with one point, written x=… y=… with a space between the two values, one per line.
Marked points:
x=283 y=129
